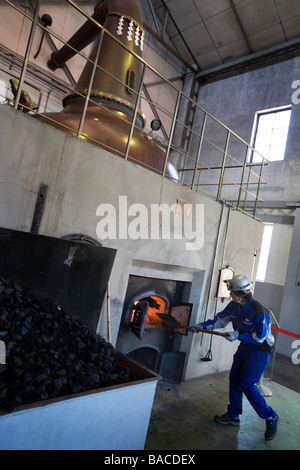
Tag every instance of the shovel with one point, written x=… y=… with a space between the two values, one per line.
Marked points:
x=171 y=322
x=174 y=324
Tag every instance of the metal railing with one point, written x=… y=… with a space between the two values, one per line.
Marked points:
x=217 y=160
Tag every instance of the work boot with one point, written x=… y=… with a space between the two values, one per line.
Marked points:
x=271 y=429
x=227 y=419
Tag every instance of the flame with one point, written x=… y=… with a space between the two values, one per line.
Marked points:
x=153 y=321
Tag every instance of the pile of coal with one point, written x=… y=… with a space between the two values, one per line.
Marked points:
x=49 y=352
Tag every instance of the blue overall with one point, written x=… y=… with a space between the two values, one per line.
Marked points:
x=252 y=321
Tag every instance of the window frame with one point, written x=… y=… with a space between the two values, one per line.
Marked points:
x=255 y=129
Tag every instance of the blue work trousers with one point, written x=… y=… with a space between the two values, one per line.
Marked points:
x=247 y=368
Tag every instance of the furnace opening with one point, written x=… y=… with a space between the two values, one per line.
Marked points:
x=144 y=314
x=155 y=305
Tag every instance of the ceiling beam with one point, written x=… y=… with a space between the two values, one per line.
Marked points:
x=279 y=52
x=241 y=26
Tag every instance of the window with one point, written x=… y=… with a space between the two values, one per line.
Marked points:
x=264 y=254
x=270 y=134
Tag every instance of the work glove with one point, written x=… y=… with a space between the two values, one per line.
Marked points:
x=192 y=329
x=231 y=335
x=200 y=325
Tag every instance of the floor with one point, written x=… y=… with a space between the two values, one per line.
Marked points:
x=182 y=418
x=282 y=371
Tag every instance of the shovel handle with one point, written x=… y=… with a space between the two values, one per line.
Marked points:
x=210 y=332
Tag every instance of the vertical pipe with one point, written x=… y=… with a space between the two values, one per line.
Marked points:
x=171 y=132
x=135 y=111
x=246 y=190
x=199 y=150
x=258 y=188
x=253 y=266
x=108 y=313
x=39 y=208
x=90 y=85
x=27 y=53
x=212 y=271
x=275 y=345
x=243 y=175
x=223 y=166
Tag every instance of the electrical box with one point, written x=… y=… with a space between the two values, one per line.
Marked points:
x=225 y=275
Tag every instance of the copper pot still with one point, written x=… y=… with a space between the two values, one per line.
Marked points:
x=116 y=81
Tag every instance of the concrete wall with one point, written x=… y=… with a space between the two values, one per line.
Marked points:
x=80 y=177
x=234 y=100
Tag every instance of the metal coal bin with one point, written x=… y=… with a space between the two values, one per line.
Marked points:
x=111 y=418
x=114 y=417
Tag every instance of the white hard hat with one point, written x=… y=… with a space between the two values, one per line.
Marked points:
x=240 y=283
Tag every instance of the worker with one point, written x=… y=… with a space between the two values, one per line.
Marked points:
x=252 y=327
